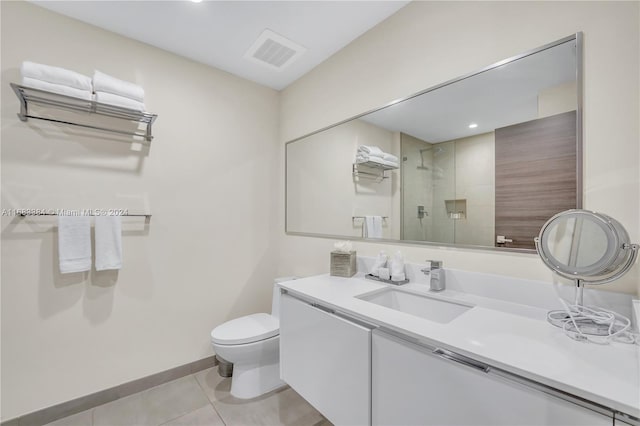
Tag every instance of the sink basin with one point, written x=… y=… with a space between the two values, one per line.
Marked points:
x=430 y=308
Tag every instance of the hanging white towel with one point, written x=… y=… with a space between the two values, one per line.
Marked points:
x=108 y=242
x=56 y=75
x=105 y=83
x=373 y=227
x=74 y=243
x=121 y=101
x=57 y=88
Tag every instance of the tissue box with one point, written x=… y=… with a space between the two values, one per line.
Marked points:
x=343 y=264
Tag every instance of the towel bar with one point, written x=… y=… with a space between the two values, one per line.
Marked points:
x=147 y=216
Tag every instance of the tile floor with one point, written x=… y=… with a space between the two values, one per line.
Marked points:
x=200 y=399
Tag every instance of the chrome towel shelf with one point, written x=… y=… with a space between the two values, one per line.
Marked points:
x=29 y=95
x=379 y=169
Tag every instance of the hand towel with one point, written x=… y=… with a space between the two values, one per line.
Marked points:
x=121 y=101
x=56 y=75
x=108 y=242
x=397 y=267
x=57 y=88
x=373 y=226
x=74 y=243
x=105 y=83
x=380 y=262
x=373 y=151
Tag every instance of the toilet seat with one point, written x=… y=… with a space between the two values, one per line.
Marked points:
x=247 y=329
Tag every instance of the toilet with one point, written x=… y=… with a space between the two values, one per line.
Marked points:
x=252 y=344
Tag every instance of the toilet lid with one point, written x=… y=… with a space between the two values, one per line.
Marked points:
x=248 y=329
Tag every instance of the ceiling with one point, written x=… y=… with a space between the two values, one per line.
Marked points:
x=218 y=33
x=497 y=98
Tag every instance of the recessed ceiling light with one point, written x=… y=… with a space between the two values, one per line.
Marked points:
x=473 y=125
x=196 y=1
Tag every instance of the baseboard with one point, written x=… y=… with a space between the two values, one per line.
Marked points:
x=53 y=413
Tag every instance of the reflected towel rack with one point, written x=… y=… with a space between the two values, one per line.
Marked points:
x=28 y=95
x=379 y=168
x=364 y=217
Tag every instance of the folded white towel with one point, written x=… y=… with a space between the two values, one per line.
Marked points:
x=389 y=157
x=74 y=243
x=373 y=151
x=121 y=101
x=108 y=242
x=366 y=159
x=57 y=88
x=56 y=75
x=105 y=83
x=380 y=262
x=373 y=226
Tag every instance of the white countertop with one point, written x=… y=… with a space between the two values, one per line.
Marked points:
x=505 y=335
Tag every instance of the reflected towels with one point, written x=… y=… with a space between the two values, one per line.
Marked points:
x=367 y=153
x=108 y=242
x=74 y=243
x=372 y=227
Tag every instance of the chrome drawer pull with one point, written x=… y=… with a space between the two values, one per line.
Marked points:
x=462 y=360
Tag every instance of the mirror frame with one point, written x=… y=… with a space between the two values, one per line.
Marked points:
x=579 y=148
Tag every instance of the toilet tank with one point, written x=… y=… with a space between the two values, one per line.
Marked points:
x=275 y=301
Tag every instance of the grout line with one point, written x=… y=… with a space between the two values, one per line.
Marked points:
x=209 y=399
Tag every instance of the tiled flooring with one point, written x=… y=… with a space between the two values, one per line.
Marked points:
x=200 y=399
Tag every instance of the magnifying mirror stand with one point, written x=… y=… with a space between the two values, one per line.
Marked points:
x=588 y=248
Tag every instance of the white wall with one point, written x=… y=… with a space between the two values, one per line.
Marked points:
x=426 y=43
x=207 y=256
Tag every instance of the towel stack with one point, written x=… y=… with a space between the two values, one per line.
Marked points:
x=374 y=154
x=56 y=80
x=112 y=91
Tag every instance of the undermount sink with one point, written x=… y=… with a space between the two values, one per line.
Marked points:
x=430 y=308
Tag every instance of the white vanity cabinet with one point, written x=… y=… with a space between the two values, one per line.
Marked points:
x=326 y=358
x=413 y=385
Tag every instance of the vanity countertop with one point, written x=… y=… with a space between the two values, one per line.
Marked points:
x=505 y=335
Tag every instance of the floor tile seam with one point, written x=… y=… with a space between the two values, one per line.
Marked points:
x=209 y=399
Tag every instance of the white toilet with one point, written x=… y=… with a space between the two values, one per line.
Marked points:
x=252 y=344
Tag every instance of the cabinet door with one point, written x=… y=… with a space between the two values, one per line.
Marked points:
x=413 y=386
x=327 y=360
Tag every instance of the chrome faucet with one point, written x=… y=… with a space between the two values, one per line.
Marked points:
x=436 y=275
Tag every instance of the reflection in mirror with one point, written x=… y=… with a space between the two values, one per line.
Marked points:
x=482 y=161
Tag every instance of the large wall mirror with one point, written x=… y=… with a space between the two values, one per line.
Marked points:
x=483 y=160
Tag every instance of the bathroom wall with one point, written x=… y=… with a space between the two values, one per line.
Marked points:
x=426 y=43
x=475 y=183
x=207 y=255
x=323 y=195
x=417 y=188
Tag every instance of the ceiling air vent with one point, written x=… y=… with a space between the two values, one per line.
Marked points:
x=274 y=51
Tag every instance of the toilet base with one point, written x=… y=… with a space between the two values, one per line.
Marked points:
x=253 y=380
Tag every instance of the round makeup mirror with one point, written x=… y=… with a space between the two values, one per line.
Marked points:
x=587 y=247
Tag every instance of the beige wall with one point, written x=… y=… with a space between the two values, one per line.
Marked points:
x=208 y=179
x=426 y=43
x=475 y=183
x=323 y=195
